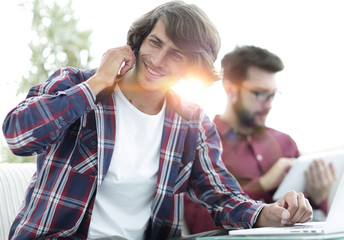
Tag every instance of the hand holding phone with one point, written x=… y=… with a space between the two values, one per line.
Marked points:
x=115 y=62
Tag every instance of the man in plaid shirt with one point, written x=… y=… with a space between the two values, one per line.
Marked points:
x=117 y=149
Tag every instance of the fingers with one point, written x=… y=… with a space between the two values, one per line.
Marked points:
x=322 y=173
x=285 y=215
x=302 y=212
x=298 y=207
x=333 y=171
x=320 y=177
x=290 y=202
x=116 y=61
x=128 y=62
x=290 y=209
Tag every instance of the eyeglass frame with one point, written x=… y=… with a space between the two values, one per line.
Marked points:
x=262 y=96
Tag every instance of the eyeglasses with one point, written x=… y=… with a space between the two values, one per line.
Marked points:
x=262 y=96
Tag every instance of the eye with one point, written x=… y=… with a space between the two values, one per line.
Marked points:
x=176 y=55
x=260 y=95
x=155 y=42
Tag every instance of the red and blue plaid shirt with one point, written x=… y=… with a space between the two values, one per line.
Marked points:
x=73 y=135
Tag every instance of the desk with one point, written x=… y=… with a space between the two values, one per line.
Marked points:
x=334 y=236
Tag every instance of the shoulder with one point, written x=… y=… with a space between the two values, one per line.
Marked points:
x=278 y=134
x=186 y=109
x=286 y=142
x=62 y=79
x=71 y=74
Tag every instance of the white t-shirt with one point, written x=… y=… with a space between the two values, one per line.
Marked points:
x=123 y=202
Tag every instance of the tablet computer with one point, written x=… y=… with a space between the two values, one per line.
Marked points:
x=296 y=179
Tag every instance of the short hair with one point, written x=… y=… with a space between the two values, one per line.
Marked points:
x=190 y=30
x=236 y=63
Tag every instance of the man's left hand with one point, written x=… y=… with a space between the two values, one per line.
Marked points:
x=320 y=176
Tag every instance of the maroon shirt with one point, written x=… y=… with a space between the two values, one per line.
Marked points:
x=247 y=158
x=250 y=157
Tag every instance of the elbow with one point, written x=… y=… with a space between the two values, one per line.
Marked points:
x=20 y=149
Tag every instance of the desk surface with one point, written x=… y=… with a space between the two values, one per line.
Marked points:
x=335 y=236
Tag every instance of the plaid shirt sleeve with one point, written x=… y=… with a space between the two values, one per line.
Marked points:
x=191 y=162
x=213 y=186
x=47 y=112
x=56 y=200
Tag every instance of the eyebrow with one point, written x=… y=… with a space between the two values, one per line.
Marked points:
x=260 y=89
x=156 y=38
x=264 y=89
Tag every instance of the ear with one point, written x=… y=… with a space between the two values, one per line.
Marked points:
x=231 y=89
x=226 y=85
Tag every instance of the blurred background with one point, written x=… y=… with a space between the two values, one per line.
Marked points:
x=307 y=35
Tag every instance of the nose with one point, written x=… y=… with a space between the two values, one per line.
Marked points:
x=159 y=58
x=267 y=105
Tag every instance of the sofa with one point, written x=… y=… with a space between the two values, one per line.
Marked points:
x=14 y=180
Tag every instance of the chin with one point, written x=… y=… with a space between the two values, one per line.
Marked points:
x=260 y=125
x=151 y=86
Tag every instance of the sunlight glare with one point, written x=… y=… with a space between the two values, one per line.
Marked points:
x=211 y=98
x=191 y=89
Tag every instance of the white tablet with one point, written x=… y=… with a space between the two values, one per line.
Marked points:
x=296 y=179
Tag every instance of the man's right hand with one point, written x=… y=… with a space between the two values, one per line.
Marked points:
x=292 y=208
x=111 y=68
x=274 y=176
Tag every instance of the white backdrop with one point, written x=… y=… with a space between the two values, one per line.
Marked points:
x=306 y=34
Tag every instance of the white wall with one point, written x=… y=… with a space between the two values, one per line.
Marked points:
x=306 y=34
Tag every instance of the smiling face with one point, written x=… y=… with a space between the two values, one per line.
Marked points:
x=160 y=63
x=250 y=107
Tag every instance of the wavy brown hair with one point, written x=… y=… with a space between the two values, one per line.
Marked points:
x=236 y=63
x=190 y=30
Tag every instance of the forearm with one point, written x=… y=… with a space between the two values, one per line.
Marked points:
x=40 y=120
x=262 y=219
x=255 y=190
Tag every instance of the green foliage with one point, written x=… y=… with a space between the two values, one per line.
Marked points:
x=8 y=156
x=57 y=42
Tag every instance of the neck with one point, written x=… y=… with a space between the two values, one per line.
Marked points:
x=232 y=119
x=149 y=102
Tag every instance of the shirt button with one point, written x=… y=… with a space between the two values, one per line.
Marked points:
x=62 y=122
x=259 y=157
x=88 y=108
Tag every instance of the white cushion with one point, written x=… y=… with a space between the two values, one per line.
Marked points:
x=14 y=180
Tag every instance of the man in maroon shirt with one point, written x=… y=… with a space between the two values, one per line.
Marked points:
x=256 y=155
